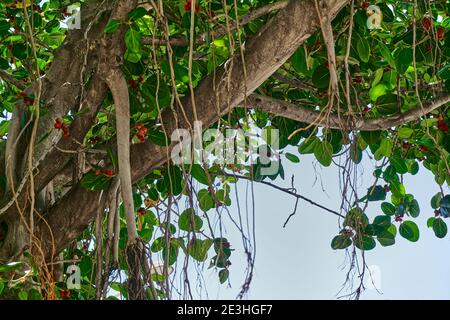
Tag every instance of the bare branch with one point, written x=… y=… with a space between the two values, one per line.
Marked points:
x=301 y=114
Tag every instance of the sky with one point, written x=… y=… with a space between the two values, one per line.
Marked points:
x=297 y=262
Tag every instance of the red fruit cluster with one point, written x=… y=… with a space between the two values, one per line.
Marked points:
x=94 y=140
x=440 y=33
x=357 y=79
x=426 y=24
x=64 y=12
x=188 y=5
x=65 y=294
x=62 y=126
x=366 y=110
x=133 y=83
x=26 y=99
x=442 y=126
x=106 y=172
x=142 y=131
x=142 y=211
x=423 y=149
x=406 y=145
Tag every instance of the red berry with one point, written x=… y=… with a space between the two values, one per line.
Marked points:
x=58 y=124
x=188 y=5
x=426 y=24
x=98 y=172
x=440 y=33
x=423 y=149
x=108 y=172
x=437 y=212
x=442 y=126
x=133 y=83
x=365 y=5
x=142 y=211
x=386 y=188
x=398 y=218
x=65 y=294
x=357 y=79
x=406 y=145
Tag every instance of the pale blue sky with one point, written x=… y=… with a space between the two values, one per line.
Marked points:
x=298 y=263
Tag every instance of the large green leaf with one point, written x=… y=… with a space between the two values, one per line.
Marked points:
x=409 y=231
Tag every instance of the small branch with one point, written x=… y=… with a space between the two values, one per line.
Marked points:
x=221 y=31
x=9 y=78
x=298 y=84
x=286 y=190
x=301 y=114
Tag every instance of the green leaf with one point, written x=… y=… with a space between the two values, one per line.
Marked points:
x=376 y=193
x=397 y=189
x=399 y=164
x=173 y=179
x=414 y=208
x=384 y=150
x=189 y=221
x=387 y=104
x=371 y=137
x=386 y=53
x=340 y=242
x=223 y=275
x=444 y=73
x=405 y=132
x=95 y=183
x=365 y=242
x=436 y=200
x=430 y=222
x=23 y=295
x=299 y=63
x=205 y=201
x=321 y=77
x=363 y=49
x=404 y=59
x=378 y=91
x=439 y=228
x=309 y=145
x=198 y=249
x=409 y=231
x=133 y=40
x=112 y=26
x=388 y=208
x=2 y=286
x=323 y=153
x=158 y=137
x=137 y=13
x=387 y=237
x=292 y=157
x=382 y=221
x=199 y=174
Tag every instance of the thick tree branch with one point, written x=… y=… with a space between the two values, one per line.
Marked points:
x=301 y=114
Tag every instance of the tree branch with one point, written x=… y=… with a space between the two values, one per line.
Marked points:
x=9 y=78
x=301 y=114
